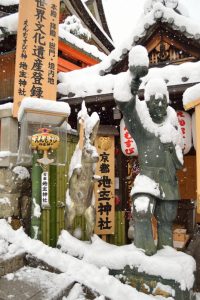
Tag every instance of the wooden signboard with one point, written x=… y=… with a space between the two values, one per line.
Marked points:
x=104 y=188
x=37 y=51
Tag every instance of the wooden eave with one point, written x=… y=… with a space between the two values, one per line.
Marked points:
x=171 y=36
x=175 y=91
x=92 y=26
x=103 y=17
x=99 y=15
x=174 y=37
x=9 y=9
x=75 y=52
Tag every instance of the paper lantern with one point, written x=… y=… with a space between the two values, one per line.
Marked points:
x=128 y=144
x=45 y=140
x=185 y=122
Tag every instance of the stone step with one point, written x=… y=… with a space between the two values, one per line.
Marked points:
x=12 y=264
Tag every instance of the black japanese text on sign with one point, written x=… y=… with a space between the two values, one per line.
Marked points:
x=104 y=189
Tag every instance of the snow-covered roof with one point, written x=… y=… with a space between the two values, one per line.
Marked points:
x=38 y=104
x=74 y=41
x=191 y=94
x=91 y=81
x=10 y=24
x=9 y=2
x=93 y=261
x=87 y=82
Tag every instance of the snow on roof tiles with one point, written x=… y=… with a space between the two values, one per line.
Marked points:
x=90 y=82
x=10 y=23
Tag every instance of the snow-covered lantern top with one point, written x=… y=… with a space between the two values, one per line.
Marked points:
x=35 y=114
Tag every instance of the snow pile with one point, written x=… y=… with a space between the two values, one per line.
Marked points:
x=42 y=105
x=167 y=263
x=188 y=72
x=141 y=203
x=3 y=247
x=9 y=22
x=49 y=284
x=144 y=184
x=88 y=82
x=94 y=277
x=73 y=25
x=4 y=200
x=22 y=172
x=138 y=56
x=9 y=2
x=6 y=106
x=156 y=87
x=191 y=94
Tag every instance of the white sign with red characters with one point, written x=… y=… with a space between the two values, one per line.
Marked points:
x=128 y=144
x=185 y=123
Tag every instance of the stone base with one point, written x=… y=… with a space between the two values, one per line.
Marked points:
x=12 y=264
x=152 y=285
x=9 y=206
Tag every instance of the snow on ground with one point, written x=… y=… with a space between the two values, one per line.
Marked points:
x=92 y=270
x=167 y=263
x=46 y=281
x=94 y=277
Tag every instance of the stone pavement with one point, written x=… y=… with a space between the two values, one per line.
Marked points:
x=19 y=281
x=19 y=290
x=23 y=277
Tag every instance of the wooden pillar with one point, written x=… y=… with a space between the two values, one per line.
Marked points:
x=197 y=121
x=196 y=104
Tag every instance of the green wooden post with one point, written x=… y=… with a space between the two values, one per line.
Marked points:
x=36 y=197
x=53 y=202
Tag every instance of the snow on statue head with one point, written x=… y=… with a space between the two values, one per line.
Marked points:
x=157 y=98
x=156 y=87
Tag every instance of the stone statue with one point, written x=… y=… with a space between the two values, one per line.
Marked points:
x=155 y=129
x=80 y=199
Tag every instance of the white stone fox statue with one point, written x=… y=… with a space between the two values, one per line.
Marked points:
x=80 y=195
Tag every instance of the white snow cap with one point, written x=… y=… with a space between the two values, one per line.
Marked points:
x=42 y=105
x=172 y=4
x=191 y=94
x=156 y=87
x=138 y=56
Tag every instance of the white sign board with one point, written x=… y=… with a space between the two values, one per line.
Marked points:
x=45 y=189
